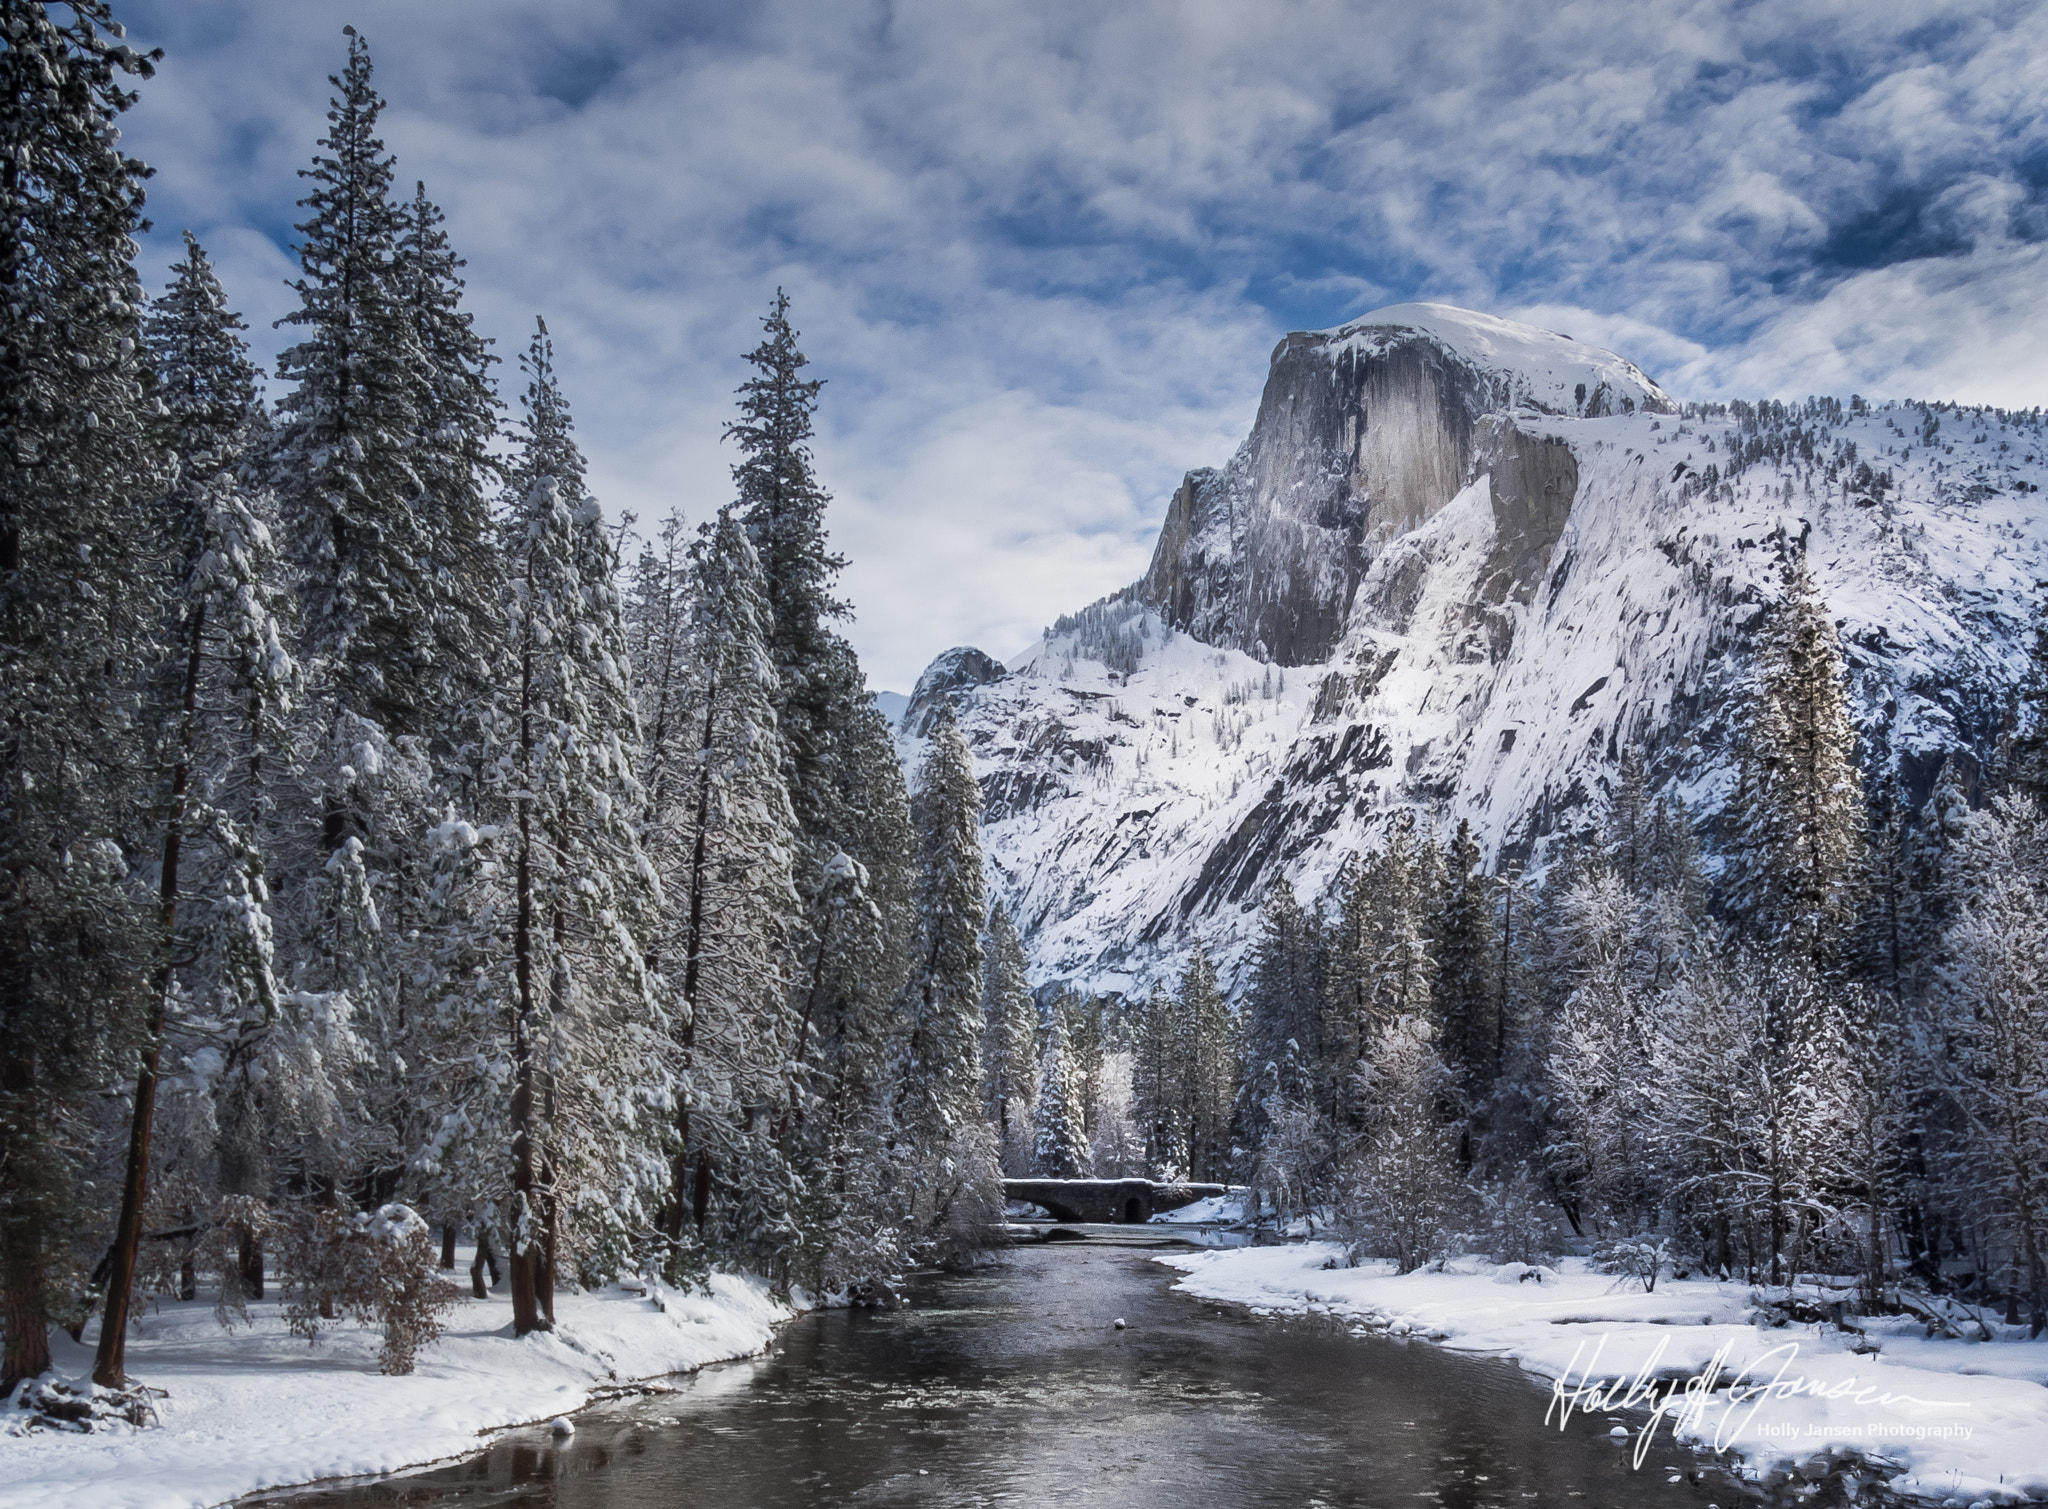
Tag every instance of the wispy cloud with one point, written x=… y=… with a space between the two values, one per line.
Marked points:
x=1041 y=251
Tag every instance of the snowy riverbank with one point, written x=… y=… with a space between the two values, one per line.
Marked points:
x=1964 y=1422
x=260 y=1409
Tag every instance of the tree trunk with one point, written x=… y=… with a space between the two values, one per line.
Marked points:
x=250 y=1260
x=680 y=1197
x=526 y=1314
x=23 y=1308
x=110 y=1361
x=448 y=1245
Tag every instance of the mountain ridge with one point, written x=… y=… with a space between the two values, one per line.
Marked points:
x=1445 y=574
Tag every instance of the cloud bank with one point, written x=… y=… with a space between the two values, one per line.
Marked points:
x=1041 y=252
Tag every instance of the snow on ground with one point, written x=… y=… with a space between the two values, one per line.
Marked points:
x=1205 y=1210
x=1966 y=1421
x=261 y=1409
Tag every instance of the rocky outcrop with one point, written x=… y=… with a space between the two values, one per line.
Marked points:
x=1363 y=433
x=958 y=670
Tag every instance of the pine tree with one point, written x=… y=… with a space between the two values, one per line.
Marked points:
x=457 y=417
x=942 y=1080
x=1212 y=1090
x=79 y=626
x=1160 y=1085
x=1799 y=808
x=726 y=835
x=344 y=464
x=939 y=1076
x=1061 y=1142
x=1997 y=1023
x=589 y=1074
x=1467 y=974
x=224 y=687
x=782 y=505
x=1283 y=1013
x=1009 y=1021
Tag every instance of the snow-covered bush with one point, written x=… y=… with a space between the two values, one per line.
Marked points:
x=1640 y=1259
x=1516 y=1221
x=375 y=1267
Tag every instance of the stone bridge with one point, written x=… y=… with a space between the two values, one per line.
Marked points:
x=1108 y=1201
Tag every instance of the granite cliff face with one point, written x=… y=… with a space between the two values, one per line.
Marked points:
x=1458 y=565
x=1363 y=434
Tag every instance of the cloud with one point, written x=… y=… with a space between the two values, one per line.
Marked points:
x=1040 y=252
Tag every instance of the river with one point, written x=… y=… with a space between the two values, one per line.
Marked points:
x=1013 y=1385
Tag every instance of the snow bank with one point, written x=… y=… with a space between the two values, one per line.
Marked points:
x=1964 y=1422
x=260 y=1409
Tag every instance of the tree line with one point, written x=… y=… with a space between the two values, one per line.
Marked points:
x=392 y=847
x=1821 y=1049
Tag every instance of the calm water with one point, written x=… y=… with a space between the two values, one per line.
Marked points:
x=1012 y=1386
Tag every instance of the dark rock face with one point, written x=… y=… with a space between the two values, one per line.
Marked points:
x=959 y=669
x=1358 y=441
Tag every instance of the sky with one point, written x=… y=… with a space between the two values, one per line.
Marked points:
x=1040 y=252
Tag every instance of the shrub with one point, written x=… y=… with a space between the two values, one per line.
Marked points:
x=374 y=1267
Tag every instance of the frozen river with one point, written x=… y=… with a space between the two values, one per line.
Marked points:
x=1014 y=1386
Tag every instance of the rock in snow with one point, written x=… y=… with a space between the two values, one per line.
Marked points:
x=1457 y=567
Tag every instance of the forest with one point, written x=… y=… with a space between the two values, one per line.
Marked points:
x=396 y=850
x=393 y=847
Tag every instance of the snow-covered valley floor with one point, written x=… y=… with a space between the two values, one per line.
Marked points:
x=259 y=1408
x=1963 y=1423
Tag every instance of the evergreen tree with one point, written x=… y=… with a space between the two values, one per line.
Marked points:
x=344 y=462
x=782 y=505
x=79 y=630
x=1008 y=1026
x=1799 y=808
x=1211 y=1089
x=939 y=1074
x=457 y=416
x=589 y=1079
x=1283 y=1013
x=1467 y=970
x=1160 y=1084
x=941 y=1080
x=1061 y=1144
x=726 y=835
x=224 y=686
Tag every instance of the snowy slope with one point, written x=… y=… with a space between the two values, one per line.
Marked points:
x=1478 y=634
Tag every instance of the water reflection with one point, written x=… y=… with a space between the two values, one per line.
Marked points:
x=1013 y=1386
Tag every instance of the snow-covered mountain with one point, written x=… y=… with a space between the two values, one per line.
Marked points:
x=1458 y=565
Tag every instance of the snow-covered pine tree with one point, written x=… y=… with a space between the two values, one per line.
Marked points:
x=1997 y=1027
x=1467 y=967
x=220 y=695
x=1060 y=1144
x=343 y=463
x=782 y=504
x=1797 y=820
x=941 y=1079
x=1009 y=1026
x=1159 y=1085
x=451 y=459
x=725 y=836
x=79 y=630
x=1212 y=1091
x=1629 y=820
x=851 y=977
x=939 y=1075
x=590 y=1081
x=1283 y=1013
